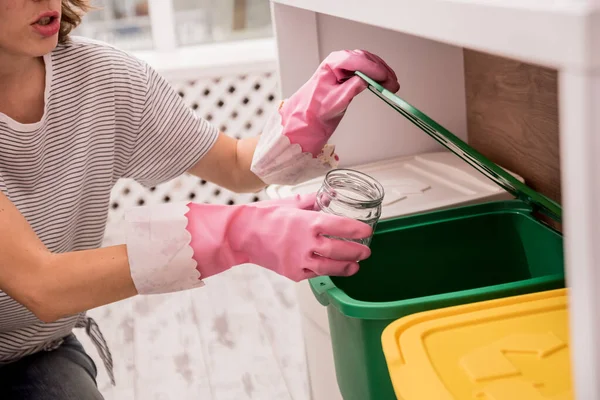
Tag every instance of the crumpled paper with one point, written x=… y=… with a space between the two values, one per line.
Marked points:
x=159 y=251
x=278 y=161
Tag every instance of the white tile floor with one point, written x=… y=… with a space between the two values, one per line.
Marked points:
x=237 y=338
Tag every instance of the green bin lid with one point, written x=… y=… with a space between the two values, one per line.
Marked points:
x=477 y=160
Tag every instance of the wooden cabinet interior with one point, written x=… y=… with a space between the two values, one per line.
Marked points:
x=512 y=117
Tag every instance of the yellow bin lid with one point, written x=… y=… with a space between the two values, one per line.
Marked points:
x=514 y=348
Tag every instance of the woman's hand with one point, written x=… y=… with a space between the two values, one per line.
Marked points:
x=173 y=247
x=286 y=236
x=311 y=115
x=293 y=147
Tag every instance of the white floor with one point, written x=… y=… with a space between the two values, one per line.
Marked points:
x=237 y=338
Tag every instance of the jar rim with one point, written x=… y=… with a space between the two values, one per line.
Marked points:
x=367 y=179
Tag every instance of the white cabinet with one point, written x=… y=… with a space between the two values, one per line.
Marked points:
x=423 y=42
x=424 y=67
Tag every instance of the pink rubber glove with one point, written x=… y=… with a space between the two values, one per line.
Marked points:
x=302 y=202
x=285 y=236
x=293 y=146
x=312 y=114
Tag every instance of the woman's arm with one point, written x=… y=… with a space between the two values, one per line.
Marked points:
x=294 y=145
x=227 y=164
x=56 y=285
x=171 y=247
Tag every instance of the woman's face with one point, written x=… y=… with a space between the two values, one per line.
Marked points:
x=29 y=27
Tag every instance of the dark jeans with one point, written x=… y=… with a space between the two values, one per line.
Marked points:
x=66 y=373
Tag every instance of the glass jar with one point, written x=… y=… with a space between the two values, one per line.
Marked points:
x=351 y=194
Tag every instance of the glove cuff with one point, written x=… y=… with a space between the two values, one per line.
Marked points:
x=277 y=160
x=158 y=248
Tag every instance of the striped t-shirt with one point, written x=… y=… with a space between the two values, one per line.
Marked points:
x=107 y=116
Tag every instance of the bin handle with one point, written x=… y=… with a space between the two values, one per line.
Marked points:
x=320 y=286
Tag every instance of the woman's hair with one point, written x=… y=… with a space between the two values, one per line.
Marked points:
x=72 y=11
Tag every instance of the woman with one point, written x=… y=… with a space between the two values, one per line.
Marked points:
x=77 y=115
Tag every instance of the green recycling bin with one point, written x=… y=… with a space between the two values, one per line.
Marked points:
x=434 y=260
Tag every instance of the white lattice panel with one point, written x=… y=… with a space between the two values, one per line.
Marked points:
x=237 y=105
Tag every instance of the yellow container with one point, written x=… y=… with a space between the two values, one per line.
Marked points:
x=514 y=348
